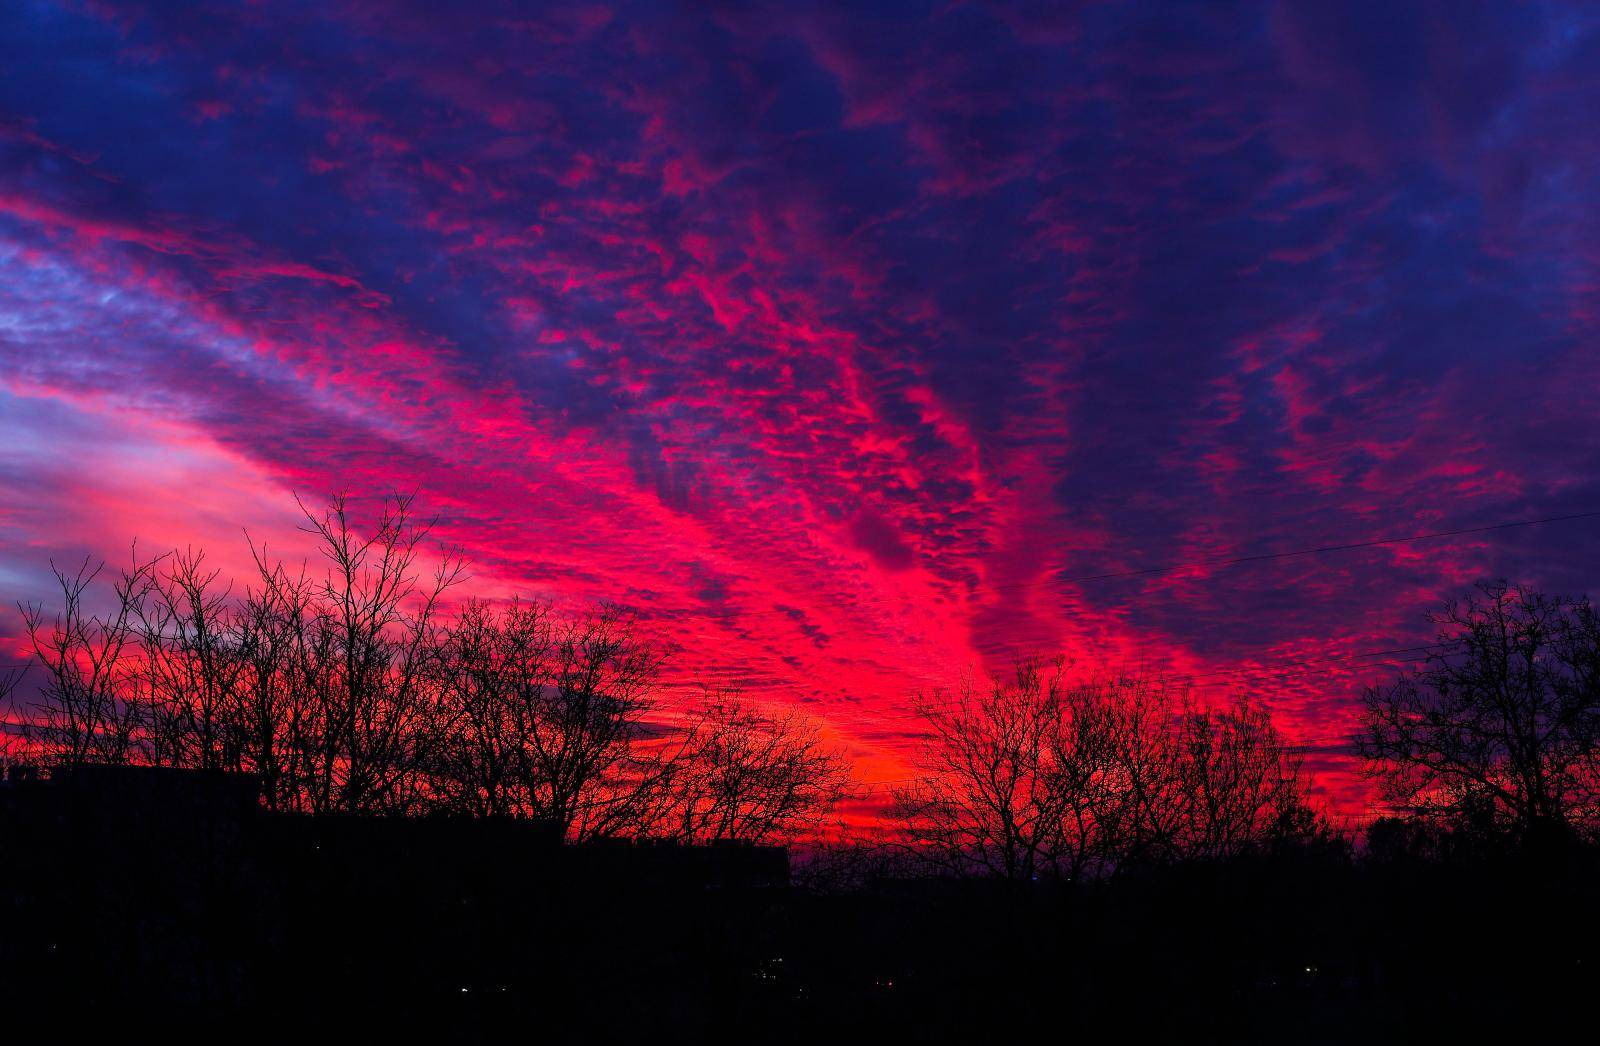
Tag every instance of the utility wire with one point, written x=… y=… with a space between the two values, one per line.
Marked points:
x=1228 y=561
x=799 y=614
x=1251 y=675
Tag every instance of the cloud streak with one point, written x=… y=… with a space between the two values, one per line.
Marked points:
x=832 y=340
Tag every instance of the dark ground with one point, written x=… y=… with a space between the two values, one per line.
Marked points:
x=172 y=906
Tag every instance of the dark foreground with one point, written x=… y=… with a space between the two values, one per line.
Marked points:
x=167 y=904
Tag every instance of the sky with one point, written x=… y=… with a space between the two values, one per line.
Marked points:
x=840 y=340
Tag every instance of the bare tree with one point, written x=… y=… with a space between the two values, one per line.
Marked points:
x=1120 y=764
x=1504 y=716
x=582 y=766
x=191 y=664
x=10 y=682
x=268 y=720
x=363 y=661
x=989 y=800
x=494 y=667
x=554 y=719
x=1032 y=776
x=90 y=708
x=752 y=776
x=1237 y=783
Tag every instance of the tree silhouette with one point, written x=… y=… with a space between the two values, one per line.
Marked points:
x=372 y=720
x=1501 y=722
x=990 y=800
x=544 y=718
x=91 y=707
x=1237 y=784
x=1031 y=776
x=350 y=690
x=191 y=664
x=751 y=777
x=270 y=720
x=494 y=664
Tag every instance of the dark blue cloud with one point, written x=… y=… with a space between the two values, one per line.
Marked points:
x=890 y=318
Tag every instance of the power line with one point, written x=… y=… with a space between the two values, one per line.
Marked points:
x=1226 y=561
x=1252 y=673
x=799 y=614
x=1250 y=677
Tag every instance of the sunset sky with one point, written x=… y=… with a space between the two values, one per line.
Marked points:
x=842 y=345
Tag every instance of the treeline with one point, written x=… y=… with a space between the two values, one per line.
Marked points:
x=362 y=687
x=1033 y=776
x=1490 y=746
x=351 y=690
